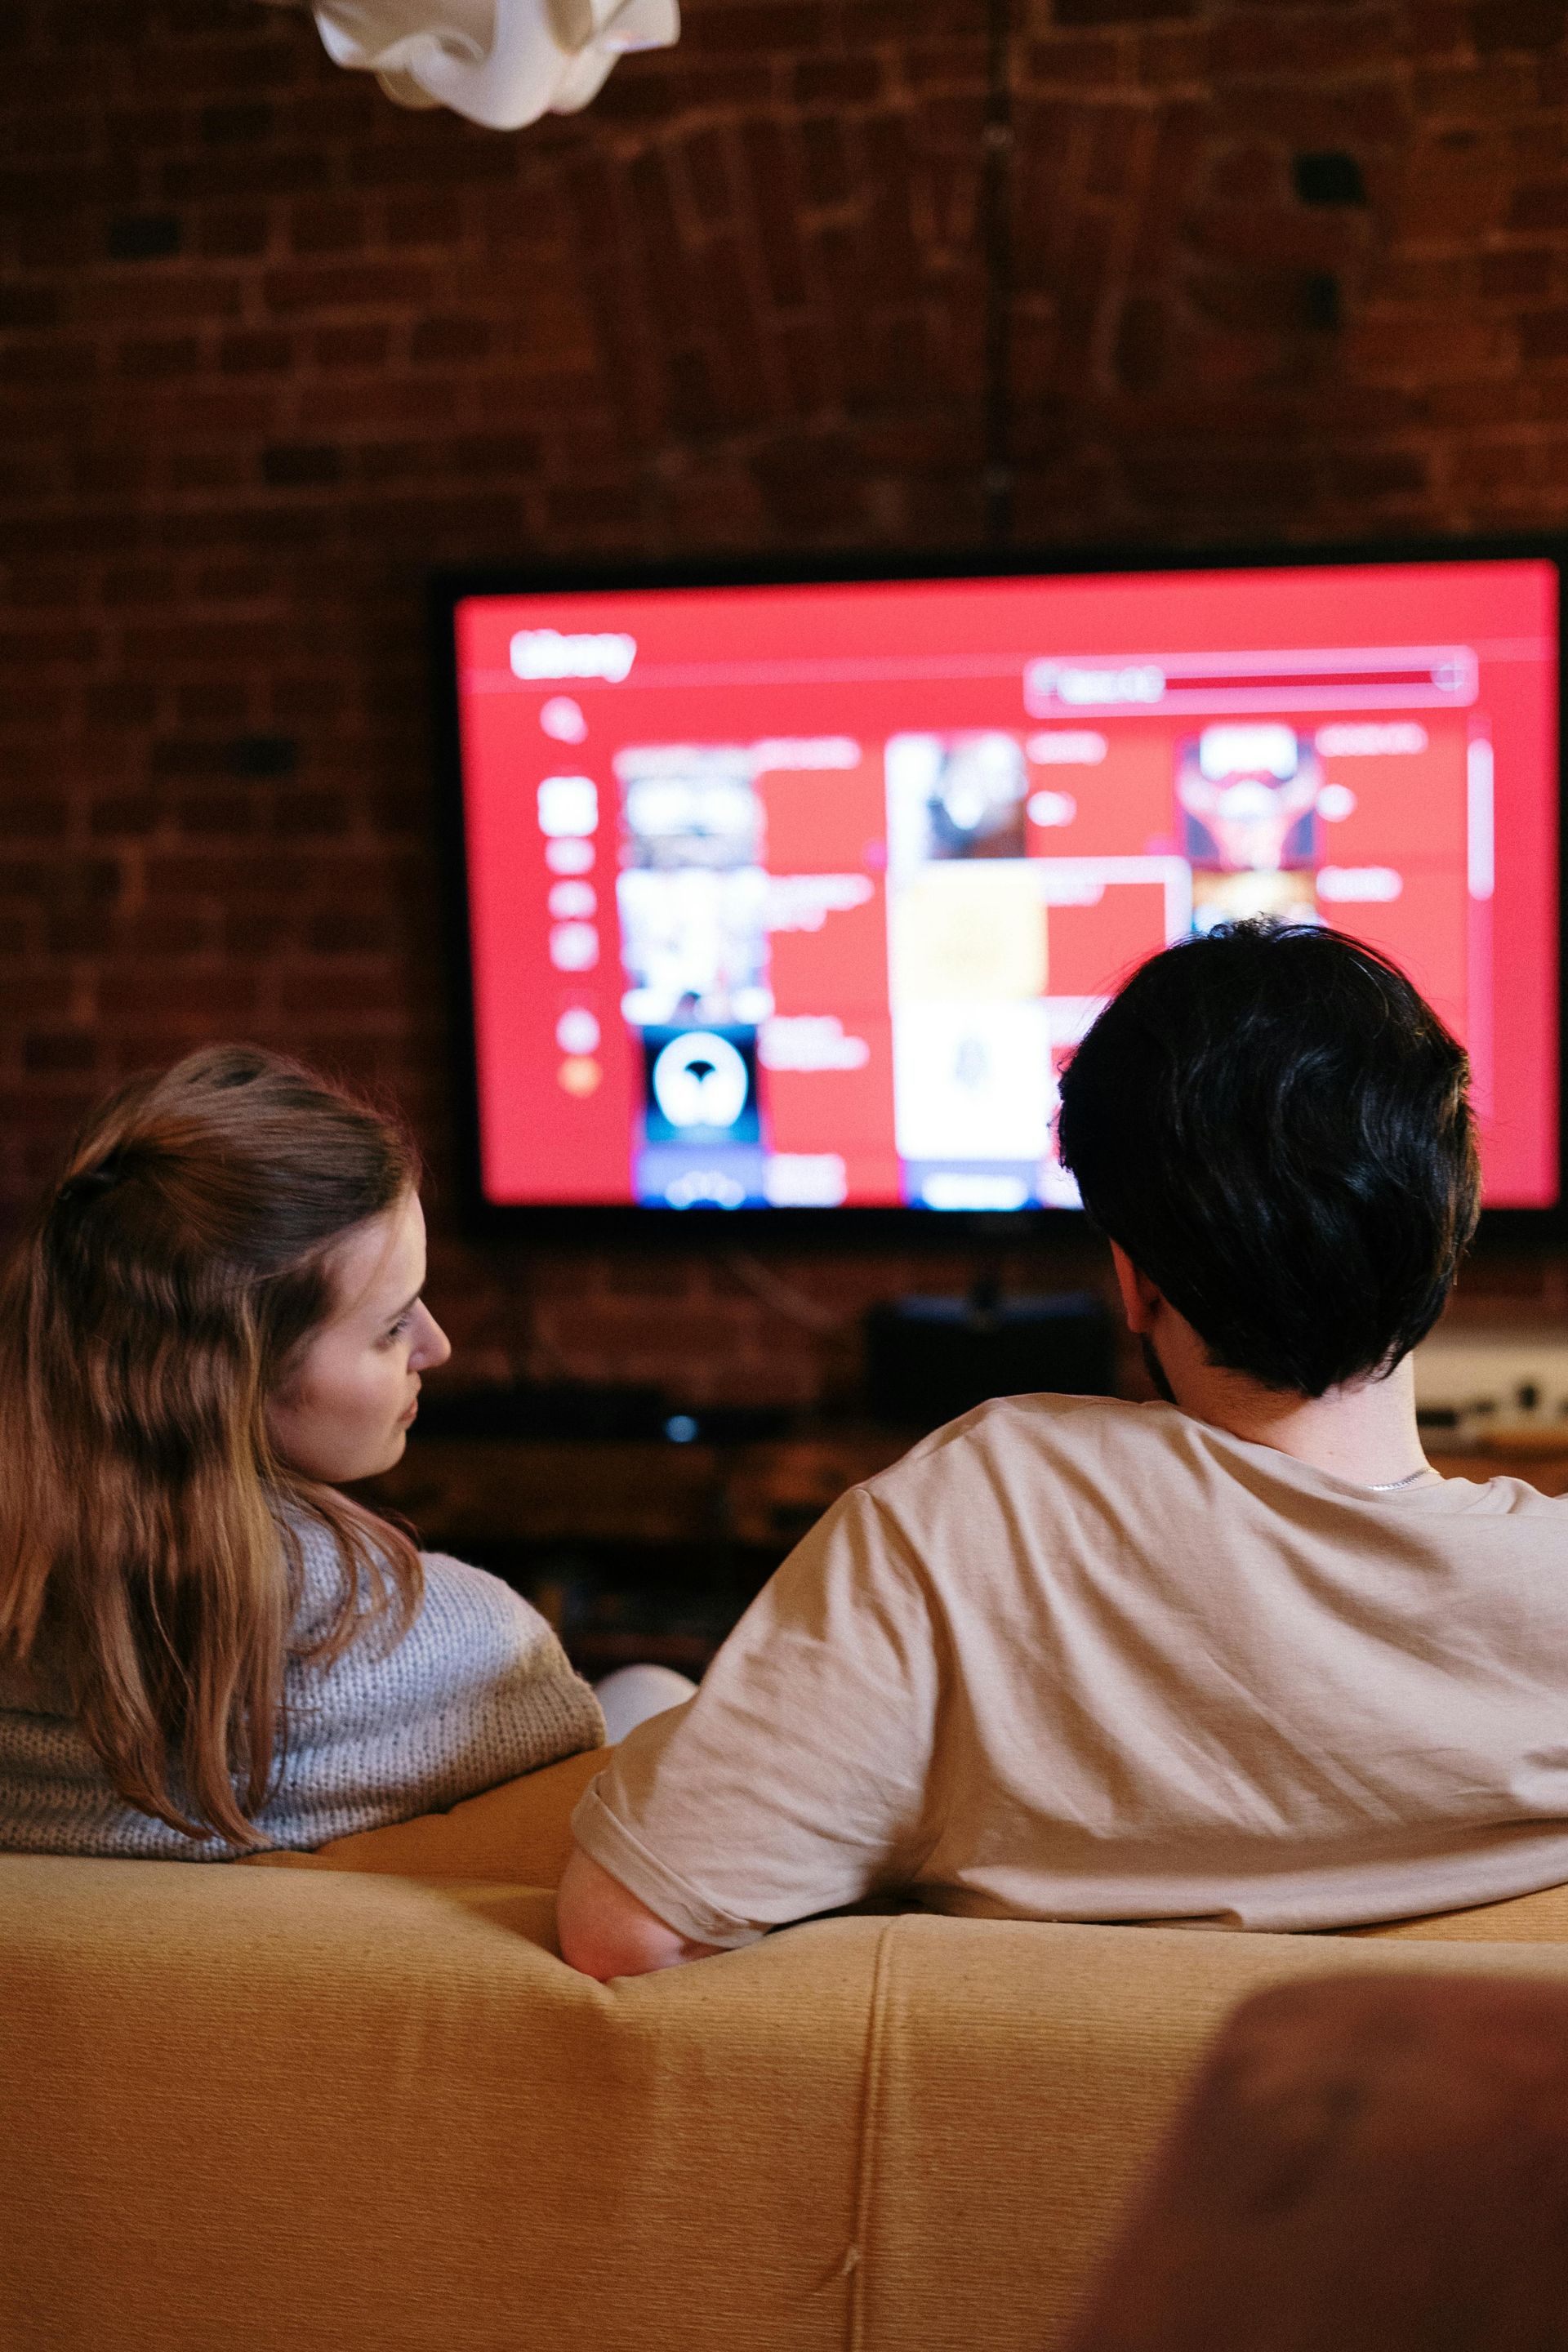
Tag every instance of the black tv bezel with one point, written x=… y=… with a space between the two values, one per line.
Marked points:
x=903 y=1227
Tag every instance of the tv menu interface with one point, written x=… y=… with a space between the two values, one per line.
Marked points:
x=800 y=896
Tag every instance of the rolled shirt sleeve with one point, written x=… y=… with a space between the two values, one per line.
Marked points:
x=795 y=1782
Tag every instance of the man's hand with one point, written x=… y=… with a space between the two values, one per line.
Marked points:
x=604 y=1931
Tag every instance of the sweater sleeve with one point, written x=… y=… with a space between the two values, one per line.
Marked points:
x=478 y=1691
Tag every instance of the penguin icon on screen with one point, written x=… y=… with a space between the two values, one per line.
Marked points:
x=701 y=1084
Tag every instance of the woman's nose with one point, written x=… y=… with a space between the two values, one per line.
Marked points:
x=434 y=1347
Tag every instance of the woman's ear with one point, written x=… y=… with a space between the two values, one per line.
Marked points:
x=1141 y=1301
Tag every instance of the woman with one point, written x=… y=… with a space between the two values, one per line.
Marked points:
x=205 y=1648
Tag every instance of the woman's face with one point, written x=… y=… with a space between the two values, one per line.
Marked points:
x=343 y=1408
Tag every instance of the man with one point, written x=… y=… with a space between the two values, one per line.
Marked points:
x=1240 y=1656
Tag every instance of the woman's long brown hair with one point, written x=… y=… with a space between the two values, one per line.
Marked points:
x=149 y=1547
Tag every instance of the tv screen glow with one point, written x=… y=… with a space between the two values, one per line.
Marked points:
x=800 y=896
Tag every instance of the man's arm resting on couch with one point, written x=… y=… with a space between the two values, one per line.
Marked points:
x=606 y=1931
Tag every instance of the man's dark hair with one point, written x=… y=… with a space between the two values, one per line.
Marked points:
x=1274 y=1125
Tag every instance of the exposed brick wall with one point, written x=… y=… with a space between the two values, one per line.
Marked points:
x=270 y=347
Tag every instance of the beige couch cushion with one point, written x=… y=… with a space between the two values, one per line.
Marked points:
x=352 y=2099
x=280 y=2110
x=1540 y=1918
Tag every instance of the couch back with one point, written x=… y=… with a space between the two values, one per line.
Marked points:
x=280 y=2111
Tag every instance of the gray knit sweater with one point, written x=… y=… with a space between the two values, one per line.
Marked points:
x=478 y=1691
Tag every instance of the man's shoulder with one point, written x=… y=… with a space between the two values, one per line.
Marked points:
x=1026 y=1445
x=1090 y=1459
x=1036 y=1429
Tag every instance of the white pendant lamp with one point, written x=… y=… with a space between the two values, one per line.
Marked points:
x=500 y=62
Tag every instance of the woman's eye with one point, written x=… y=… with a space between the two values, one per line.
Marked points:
x=396 y=1329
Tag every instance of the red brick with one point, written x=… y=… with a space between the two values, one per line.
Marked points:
x=350 y=347
x=1518 y=24
x=839 y=80
x=149 y=357
x=1491 y=470
x=54 y=133
x=1543 y=335
x=1376 y=474
x=256 y=352
x=1453 y=187
x=318 y=812
x=119 y=301
x=234 y=584
x=379 y=399
x=1277 y=235
x=772 y=169
x=128 y=815
x=1120 y=12
x=346 y=286
x=1358 y=116
x=55 y=188
x=213 y=702
x=1259 y=480
x=266 y=172
x=328 y=991
x=466 y=155
x=1306 y=40
x=245 y=66
x=825 y=160
x=1437 y=346
x=1524 y=275
x=423 y=218
x=179 y=1001
x=28 y=306
x=30 y=642
x=326 y=225
x=34 y=816
x=207 y=468
x=278 y=875
x=48 y=362
x=297 y=464
x=121 y=702
x=496 y=453
x=1541 y=206
x=195 y=643
x=443 y=339
x=1143 y=344
x=1076 y=61
x=126 y=584
x=233 y=232
x=66 y=240
x=238 y=122
x=50 y=1052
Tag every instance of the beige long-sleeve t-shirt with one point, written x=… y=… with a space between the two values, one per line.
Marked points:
x=1077 y=1659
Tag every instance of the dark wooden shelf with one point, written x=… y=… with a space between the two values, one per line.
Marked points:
x=531 y=1492
x=1540 y=1462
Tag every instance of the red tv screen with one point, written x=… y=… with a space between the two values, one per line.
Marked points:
x=799 y=896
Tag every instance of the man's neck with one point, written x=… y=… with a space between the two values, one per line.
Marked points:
x=1366 y=1433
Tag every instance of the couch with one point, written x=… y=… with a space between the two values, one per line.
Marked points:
x=354 y=2102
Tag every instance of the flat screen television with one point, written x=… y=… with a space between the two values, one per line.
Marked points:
x=786 y=898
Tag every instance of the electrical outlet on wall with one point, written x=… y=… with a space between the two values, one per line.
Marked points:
x=1492 y=1388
